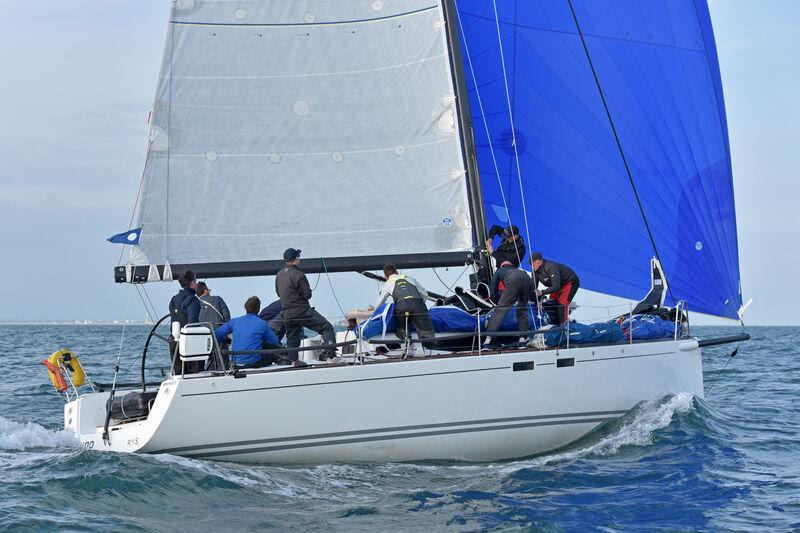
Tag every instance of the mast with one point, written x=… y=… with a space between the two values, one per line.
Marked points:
x=475 y=197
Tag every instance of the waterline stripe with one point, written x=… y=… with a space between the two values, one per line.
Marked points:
x=396 y=437
x=391 y=429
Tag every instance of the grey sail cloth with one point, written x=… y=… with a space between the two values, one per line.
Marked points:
x=298 y=131
x=213 y=310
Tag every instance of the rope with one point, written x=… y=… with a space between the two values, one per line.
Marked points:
x=489 y=138
x=152 y=307
x=138 y=196
x=483 y=118
x=330 y=284
x=616 y=138
x=122 y=337
x=513 y=130
x=450 y=288
x=146 y=309
x=730 y=358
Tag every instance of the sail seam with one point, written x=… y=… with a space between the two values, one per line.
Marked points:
x=313 y=74
x=285 y=24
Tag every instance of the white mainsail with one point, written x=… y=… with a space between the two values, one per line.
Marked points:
x=325 y=126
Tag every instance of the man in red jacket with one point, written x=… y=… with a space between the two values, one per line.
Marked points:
x=561 y=281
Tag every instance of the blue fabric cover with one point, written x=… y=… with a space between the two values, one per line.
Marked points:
x=657 y=64
x=599 y=333
x=649 y=327
x=445 y=319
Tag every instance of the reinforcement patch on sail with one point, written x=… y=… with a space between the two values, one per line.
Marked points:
x=324 y=126
x=657 y=65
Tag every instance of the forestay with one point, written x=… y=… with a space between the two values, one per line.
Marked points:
x=325 y=126
x=657 y=65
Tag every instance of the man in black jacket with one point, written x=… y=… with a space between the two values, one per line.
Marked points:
x=295 y=292
x=512 y=249
x=561 y=281
x=185 y=309
x=516 y=289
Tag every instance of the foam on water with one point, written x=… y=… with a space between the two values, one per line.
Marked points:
x=22 y=436
x=640 y=425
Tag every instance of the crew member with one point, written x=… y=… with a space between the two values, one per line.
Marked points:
x=273 y=315
x=516 y=289
x=213 y=309
x=512 y=249
x=295 y=292
x=409 y=305
x=184 y=308
x=561 y=281
x=249 y=333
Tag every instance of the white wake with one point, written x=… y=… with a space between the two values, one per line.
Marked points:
x=646 y=420
x=22 y=436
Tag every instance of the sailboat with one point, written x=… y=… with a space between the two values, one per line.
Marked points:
x=398 y=131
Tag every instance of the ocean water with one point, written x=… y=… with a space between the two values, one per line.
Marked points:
x=678 y=463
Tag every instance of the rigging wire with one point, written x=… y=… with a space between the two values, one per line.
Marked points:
x=450 y=288
x=146 y=308
x=122 y=338
x=730 y=358
x=138 y=195
x=333 y=291
x=152 y=307
x=616 y=138
x=489 y=138
x=513 y=129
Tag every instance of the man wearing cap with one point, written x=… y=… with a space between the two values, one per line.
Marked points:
x=512 y=249
x=517 y=287
x=561 y=281
x=294 y=291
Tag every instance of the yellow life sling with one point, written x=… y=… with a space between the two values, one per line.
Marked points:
x=67 y=360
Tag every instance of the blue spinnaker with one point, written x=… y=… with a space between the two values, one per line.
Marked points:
x=656 y=63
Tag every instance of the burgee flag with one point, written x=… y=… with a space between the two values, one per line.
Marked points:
x=128 y=237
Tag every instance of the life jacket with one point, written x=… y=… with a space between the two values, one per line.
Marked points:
x=404 y=289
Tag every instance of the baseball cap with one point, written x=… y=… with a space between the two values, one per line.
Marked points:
x=510 y=231
x=290 y=254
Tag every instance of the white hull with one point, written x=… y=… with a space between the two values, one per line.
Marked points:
x=473 y=408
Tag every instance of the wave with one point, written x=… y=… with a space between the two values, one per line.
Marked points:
x=636 y=428
x=22 y=436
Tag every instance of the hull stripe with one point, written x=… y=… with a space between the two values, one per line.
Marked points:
x=605 y=414
x=357 y=440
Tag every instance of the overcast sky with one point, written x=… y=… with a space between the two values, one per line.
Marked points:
x=77 y=80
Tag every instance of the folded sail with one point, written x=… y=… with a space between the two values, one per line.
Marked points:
x=656 y=63
x=325 y=126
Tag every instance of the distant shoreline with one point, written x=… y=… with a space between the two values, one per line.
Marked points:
x=74 y=323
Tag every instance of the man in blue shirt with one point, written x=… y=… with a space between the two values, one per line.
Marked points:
x=249 y=333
